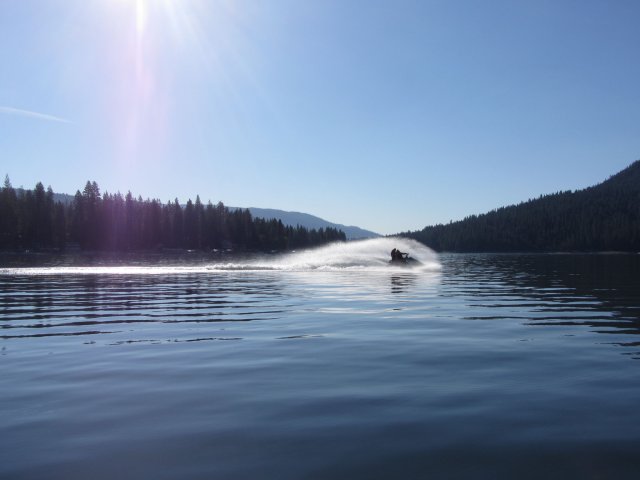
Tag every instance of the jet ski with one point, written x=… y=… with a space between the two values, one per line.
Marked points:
x=405 y=261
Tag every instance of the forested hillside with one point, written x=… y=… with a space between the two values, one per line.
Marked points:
x=32 y=219
x=293 y=219
x=311 y=221
x=605 y=217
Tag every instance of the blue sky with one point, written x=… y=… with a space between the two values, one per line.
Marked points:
x=389 y=115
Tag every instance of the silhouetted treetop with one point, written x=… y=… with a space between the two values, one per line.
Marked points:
x=110 y=222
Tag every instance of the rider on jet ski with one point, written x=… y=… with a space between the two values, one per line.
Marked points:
x=398 y=256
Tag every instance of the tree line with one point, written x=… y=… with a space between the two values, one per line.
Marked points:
x=605 y=217
x=32 y=219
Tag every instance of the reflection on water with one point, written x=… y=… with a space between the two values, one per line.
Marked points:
x=598 y=291
x=492 y=366
x=61 y=305
x=402 y=283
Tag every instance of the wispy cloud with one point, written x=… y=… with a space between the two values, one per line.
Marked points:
x=30 y=114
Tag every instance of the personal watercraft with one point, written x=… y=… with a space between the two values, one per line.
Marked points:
x=405 y=261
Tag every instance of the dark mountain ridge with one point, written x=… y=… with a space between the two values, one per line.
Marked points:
x=604 y=217
x=306 y=220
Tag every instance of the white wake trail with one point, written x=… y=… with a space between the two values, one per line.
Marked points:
x=370 y=254
x=360 y=255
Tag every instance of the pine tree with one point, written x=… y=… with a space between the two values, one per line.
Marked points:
x=8 y=215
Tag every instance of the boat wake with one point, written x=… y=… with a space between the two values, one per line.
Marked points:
x=362 y=255
x=371 y=254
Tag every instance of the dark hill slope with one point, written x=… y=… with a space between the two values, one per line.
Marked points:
x=310 y=221
x=605 y=217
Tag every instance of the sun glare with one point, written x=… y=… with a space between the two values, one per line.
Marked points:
x=141 y=16
x=153 y=46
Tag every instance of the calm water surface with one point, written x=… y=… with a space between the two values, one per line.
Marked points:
x=493 y=366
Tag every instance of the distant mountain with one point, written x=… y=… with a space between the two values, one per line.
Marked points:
x=63 y=198
x=57 y=197
x=605 y=217
x=309 y=221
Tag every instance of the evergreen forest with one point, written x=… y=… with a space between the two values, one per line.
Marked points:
x=605 y=217
x=33 y=220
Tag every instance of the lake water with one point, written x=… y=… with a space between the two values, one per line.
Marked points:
x=320 y=365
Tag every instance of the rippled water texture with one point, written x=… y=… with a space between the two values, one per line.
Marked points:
x=326 y=364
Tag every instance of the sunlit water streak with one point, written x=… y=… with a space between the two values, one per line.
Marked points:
x=324 y=364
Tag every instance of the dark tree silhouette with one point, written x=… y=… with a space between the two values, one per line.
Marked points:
x=31 y=219
x=9 y=229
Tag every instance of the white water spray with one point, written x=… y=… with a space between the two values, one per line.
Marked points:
x=362 y=255
x=370 y=254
